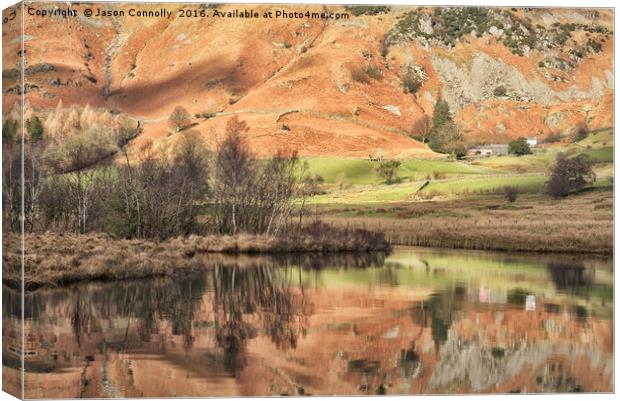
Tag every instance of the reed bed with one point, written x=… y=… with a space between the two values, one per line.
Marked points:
x=578 y=224
x=53 y=259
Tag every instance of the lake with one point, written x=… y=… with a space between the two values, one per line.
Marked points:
x=417 y=321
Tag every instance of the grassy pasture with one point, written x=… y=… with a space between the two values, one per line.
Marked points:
x=450 y=187
x=363 y=171
x=464 y=206
x=492 y=184
x=602 y=138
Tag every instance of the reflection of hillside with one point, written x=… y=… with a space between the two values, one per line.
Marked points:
x=263 y=329
x=517 y=350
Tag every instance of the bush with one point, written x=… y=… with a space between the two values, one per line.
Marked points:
x=35 y=129
x=367 y=10
x=9 y=130
x=373 y=71
x=251 y=196
x=205 y=114
x=580 y=133
x=358 y=74
x=312 y=185
x=457 y=148
x=388 y=171
x=511 y=193
x=570 y=174
x=519 y=147
x=500 y=91
x=363 y=74
x=553 y=138
x=411 y=83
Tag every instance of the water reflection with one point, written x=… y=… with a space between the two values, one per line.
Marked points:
x=418 y=321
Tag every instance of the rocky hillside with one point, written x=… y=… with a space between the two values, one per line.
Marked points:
x=352 y=86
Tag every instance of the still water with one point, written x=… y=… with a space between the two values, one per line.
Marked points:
x=417 y=321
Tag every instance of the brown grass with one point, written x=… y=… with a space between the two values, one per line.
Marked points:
x=53 y=259
x=578 y=224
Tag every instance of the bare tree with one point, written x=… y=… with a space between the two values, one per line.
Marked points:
x=179 y=119
x=232 y=177
x=251 y=195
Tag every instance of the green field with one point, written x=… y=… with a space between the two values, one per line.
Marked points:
x=493 y=184
x=356 y=182
x=602 y=138
x=448 y=187
x=346 y=171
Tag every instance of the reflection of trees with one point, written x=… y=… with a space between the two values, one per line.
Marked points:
x=265 y=293
x=141 y=302
x=249 y=295
x=569 y=276
x=439 y=311
x=346 y=260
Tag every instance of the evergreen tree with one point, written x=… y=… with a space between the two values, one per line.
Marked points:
x=9 y=130
x=35 y=129
x=444 y=133
x=441 y=114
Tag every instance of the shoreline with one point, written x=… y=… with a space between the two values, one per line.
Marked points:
x=58 y=259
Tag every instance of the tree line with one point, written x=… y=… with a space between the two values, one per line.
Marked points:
x=83 y=178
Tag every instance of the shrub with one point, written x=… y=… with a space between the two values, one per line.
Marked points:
x=388 y=171
x=367 y=10
x=358 y=74
x=580 y=133
x=373 y=71
x=511 y=193
x=500 y=91
x=9 y=130
x=519 y=147
x=456 y=147
x=35 y=129
x=411 y=83
x=251 y=196
x=206 y=115
x=363 y=74
x=312 y=185
x=553 y=138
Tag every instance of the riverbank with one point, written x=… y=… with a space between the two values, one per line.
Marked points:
x=53 y=259
x=581 y=223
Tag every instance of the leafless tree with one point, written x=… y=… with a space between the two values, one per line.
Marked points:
x=179 y=119
x=251 y=195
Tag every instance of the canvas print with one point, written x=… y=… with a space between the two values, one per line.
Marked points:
x=213 y=200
